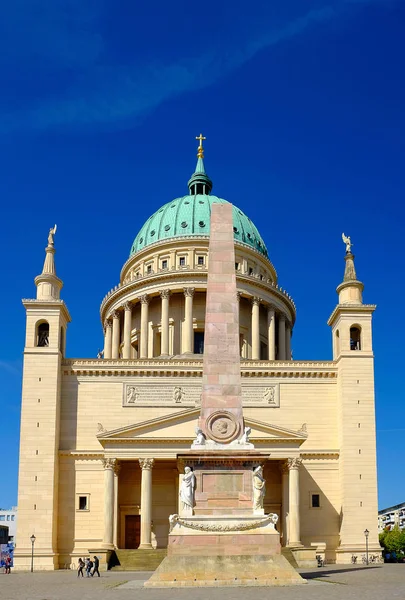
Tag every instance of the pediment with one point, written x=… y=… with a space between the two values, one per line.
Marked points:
x=180 y=426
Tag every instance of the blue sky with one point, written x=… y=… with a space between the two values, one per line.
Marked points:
x=302 y=105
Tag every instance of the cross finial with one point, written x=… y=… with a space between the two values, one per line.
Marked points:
x=200 y=152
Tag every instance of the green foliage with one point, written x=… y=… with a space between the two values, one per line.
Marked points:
x=393 y=541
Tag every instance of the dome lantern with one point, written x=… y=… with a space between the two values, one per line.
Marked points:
x=199 y=182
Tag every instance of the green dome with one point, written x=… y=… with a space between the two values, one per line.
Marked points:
x=191 y=216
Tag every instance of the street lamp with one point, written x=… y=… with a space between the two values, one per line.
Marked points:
x=32 y=538
x=366 y=534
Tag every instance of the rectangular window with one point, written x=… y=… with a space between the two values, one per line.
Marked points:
x=149 y=269
x=182 y=261
x=8 y=517
x=315 y=501
x=200 y=260
x=83 y=503
x=2 y=517
x=164 y=264
x=237 y=266
x=12 y=517
x=250 y=271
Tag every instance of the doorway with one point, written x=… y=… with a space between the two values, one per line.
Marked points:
x=132 y=531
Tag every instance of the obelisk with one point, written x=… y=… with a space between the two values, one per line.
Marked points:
x=221 y=417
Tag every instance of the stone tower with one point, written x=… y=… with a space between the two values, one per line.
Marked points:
x=353 y=353
x=47 y=319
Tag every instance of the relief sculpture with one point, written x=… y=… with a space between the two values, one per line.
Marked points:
x=132 y=394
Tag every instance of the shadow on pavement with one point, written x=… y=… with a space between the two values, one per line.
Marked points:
x=325 y=573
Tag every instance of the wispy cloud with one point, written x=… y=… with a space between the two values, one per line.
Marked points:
x=11 y=366
x=106 y=94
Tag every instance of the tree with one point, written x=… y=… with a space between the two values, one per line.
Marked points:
x=394 y=540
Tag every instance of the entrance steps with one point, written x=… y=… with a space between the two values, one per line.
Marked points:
x=139 y=560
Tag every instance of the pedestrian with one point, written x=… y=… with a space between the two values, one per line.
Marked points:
x=89 y=568
x=80 y=568
x=8 y=565
x=96 y=566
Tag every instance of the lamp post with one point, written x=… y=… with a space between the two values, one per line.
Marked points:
x=366 y=534
x=32 y=538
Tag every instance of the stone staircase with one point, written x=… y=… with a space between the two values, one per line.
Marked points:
x=139 y=560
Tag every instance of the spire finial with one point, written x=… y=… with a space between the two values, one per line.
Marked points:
x=200 y=151
x=48 y=284
x=51 y=234
x=348 y=242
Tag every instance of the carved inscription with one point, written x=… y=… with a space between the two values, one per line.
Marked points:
x=178 y=393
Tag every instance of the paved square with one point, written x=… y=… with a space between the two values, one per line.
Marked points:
x=334 y=582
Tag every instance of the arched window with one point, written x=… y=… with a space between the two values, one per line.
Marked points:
x=43 y=334
x=337 y=343
x=355 y=337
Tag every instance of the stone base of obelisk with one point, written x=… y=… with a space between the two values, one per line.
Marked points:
x=236 y=551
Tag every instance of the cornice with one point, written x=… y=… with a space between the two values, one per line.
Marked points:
x=351 y=308
x=186 y=367
x=189 y=276
x=52 y=304
x=320 y=454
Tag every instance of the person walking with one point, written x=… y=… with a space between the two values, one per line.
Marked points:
x=8 y=565
x=96 y=566
x=88 y=568
x=80 y=568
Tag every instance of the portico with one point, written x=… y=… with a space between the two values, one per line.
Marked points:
x=141 y=487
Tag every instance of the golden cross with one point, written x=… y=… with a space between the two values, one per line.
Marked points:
x=200 y=153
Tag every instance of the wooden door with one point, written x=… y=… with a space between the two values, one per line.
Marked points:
x=132 y=531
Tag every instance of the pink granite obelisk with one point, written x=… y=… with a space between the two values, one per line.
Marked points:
x=221 y=417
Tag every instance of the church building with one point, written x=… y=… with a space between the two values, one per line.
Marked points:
x=100 y=436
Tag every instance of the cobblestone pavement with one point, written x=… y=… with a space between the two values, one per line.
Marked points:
x=335 y=582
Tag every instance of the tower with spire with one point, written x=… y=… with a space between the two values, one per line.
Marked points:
x=351 y=323
x=47 y=318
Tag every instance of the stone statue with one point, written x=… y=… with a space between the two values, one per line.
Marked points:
x=187 y=492
x=259 y=488
x=51 y=234
x=178 y=394
x=269 y=395
x=100 y=428
x=245 y=437
x=100 y=353
x=200 y=439
x=132 y=394
x=347 y=241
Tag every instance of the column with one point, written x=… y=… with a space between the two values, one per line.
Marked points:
x=146 y=465
x=294 y=502
x=109 y=464
x=143 y=350
x=188 y=338
x=255 y=328
x=116 y=482
x=126 y=351
x=271 y=333
x=108 y=339
x=164 y=322
x=116 y=335
x=284 y=502
x=288 y=340
x=281 y=337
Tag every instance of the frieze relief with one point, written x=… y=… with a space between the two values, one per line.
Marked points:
x=187 y=396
